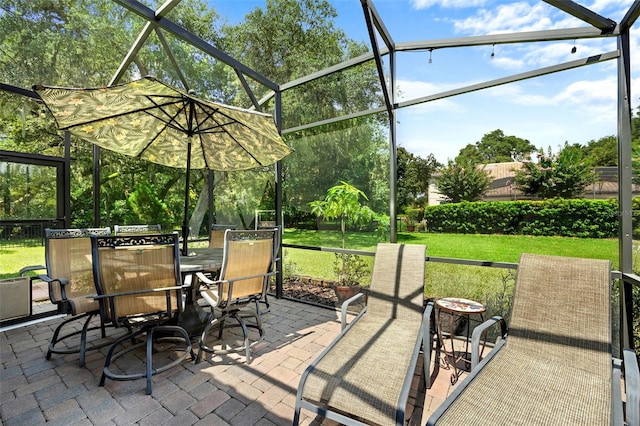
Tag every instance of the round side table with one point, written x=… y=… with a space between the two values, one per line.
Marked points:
x=454 y=309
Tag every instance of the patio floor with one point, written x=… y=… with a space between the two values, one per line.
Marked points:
x=221 y=391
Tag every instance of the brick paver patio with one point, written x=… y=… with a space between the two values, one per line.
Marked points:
x=221 y=391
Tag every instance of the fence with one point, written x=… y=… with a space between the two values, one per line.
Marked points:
x=25 y=233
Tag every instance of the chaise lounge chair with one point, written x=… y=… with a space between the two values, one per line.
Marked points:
x=554 y=365
x=364 y=376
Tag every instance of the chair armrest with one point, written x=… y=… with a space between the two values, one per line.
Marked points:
x=632 y=387
x=480 y=331
x=426 y=341
x=32 y=268
x=345 y=306
x=208 y=282
x=52 y=281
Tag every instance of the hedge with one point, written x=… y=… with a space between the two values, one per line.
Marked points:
x=561 y=217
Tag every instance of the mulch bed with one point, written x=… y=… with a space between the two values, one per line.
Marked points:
x=312 y=291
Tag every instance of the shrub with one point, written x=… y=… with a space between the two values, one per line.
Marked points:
x=556 y=217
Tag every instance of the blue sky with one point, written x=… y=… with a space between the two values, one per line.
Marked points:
x=572 y=106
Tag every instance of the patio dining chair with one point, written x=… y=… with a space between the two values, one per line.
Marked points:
x=554 y=365
x=216 y=238
x=247 y=264
x=69 y=277
x=365 y=374
x=139 y=286
x=136 y=229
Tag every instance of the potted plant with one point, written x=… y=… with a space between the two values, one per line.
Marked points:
x=343 y=202
x=414 y=215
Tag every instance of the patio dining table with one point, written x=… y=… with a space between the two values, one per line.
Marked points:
x=194 y=317
x=200 y=260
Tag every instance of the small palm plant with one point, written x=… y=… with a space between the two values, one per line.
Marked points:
x=343 y=202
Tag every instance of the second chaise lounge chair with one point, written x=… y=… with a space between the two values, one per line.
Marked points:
x=364 y=376
x=554 y=366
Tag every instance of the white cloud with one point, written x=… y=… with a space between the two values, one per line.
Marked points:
x=507 y=63
x=532 y=16
x=586 y=92
x=612 y=9
x=515 y=94
x=513 y=17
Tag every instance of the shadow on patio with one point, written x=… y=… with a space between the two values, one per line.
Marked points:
x=222 y=391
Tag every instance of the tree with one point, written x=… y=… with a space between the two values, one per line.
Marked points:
x=414 y=174
x=463 y=180
x=275 y=41
x=80 y=44
x=603 y=152
x=496 y=147
x=564 y=175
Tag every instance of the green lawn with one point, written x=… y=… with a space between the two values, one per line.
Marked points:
x=492 y=286
x=489 y=285
x=497 y=248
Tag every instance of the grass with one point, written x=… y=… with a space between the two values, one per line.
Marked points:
x=13 y=259
x=491 y=286
x=497 y=248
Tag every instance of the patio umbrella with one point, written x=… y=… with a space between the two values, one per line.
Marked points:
x=150 y=120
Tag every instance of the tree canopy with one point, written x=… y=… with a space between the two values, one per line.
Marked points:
x=82 y=43
x=496 y=147
x=414 y=174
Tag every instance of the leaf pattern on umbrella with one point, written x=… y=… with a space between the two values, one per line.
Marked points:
x=148 y=119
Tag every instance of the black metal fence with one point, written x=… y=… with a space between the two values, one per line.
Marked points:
x=25 y=233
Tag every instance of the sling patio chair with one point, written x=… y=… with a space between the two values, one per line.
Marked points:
x=364 y=376
x=139 y=286
x=216 y=237
x=69 y=277
x=554 y=365
x=247 y=264
x=136 y=229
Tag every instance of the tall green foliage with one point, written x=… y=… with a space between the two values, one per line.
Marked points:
x=82 y=43
x=289 y=39
x=414 y=174
x=602 y=152
x=496 y=147
x=345 y=203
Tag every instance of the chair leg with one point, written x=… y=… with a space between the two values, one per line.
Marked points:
x=153 y=333
x=56 y=333
x=266 y=303
x=245 y=334
x=246 y=347
x=107 y=361
x=149 y=364
x=203 y=336
x=83 y=337
x=82 y=347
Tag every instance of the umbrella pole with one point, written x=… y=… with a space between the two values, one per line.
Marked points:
x=185 y=220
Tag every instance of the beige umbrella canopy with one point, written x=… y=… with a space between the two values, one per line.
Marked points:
x=150 y=120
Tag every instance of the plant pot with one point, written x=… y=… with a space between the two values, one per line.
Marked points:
x=343 y=292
